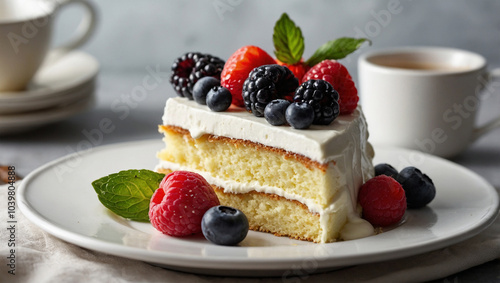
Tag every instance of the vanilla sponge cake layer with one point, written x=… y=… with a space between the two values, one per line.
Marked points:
x=295 y=176
x=281 y=193
x=281 y=216
x=253 y=165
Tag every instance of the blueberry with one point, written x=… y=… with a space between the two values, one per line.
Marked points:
x=386 y=169
x=224 y=225
x=219 y=98
x=202 y=87
x=275 y=112
x=419 y=188
x=299 y=115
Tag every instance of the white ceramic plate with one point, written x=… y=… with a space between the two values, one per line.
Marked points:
x=58 y=81
x=59 y=198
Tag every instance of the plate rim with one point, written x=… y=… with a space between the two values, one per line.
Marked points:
x=200 y=265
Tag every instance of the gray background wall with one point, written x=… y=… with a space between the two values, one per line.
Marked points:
x=134 y=34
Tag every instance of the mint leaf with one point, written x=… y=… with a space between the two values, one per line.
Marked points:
x=288 y=41
x=336 y=49
x=127 y=193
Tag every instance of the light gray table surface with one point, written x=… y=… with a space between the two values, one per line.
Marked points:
x=132 y=36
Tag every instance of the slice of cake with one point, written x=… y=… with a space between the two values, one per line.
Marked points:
x=297 y=183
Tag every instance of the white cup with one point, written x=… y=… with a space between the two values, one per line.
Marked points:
x=424 y=98
x=25 y=34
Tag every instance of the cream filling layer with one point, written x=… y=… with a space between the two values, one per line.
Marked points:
x=355 y=227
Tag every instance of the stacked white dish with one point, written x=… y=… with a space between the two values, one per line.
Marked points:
x=64 y=86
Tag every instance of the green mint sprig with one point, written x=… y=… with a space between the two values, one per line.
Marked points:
x=289 y=44
x=127 y=193
x=288 y=40
x=336 y=49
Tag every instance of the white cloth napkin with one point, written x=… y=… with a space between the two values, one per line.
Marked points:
x=42 y=258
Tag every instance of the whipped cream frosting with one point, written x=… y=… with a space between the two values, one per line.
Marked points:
x=319 y=143
x=343 y=142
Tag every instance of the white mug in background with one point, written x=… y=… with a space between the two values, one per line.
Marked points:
x=424 y=98
x=25 y=35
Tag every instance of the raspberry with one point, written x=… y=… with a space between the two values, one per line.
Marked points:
x=338 y=76
x=322 y=97
x=178 y=205
x=267 y=83
x=192 y=66
x=238 y=66
x=298 y=69
x=383 y=201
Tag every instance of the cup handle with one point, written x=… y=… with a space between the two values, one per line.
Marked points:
x=84 y=30
x=495 y=123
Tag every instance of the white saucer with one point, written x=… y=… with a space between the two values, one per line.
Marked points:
x=64 y=204
x=52 y=101
x=17 y=123
x=59 y=81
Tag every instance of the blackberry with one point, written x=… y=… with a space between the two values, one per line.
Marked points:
x=322 y=97
x=192 y=66
x=267 y=83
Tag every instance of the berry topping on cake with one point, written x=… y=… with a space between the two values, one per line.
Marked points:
x=267 y=83
x=202 y=87
x=219 y=99
x=238 y=66
x=300 y=115
x=386 y=169
x=289 y=48
x=192 y=66
x=178 y=205
x=275 y=112
x=383 y=201
x=338 y=76
x=322 y=97
x=419 y=188
x=224 y=225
